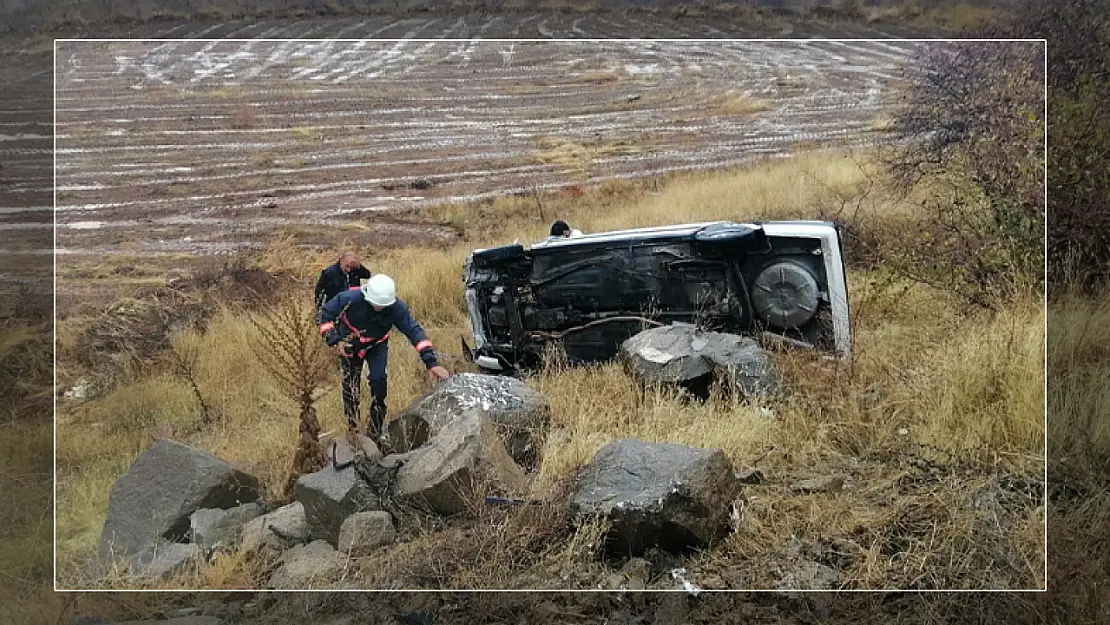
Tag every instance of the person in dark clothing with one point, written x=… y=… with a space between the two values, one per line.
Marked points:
x=561 y=229
x=348 y=272
x=357 y=322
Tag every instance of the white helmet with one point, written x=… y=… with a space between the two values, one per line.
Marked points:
x=379 y=290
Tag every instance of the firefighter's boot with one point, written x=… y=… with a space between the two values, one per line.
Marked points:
x=376 y=421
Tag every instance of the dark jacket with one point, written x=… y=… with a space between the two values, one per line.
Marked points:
x=349 y=317
x=333 y=281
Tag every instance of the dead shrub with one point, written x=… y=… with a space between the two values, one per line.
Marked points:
x=290 y=346
x=971 y=127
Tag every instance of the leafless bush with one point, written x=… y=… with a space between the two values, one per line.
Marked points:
x=1078 y=37
x=234 y=279
x=184 y=356
x=289 y=346
x=971 y=127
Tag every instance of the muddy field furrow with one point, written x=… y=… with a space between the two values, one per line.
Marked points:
x=205 y=146
x=375 y=178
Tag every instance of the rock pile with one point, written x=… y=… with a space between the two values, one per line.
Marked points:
x=474 y=436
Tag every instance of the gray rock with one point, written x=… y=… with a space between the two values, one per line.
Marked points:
x=657 y=494
x=161 y=561
x=363 y=532
x=329 y=497
x=520 y=414
x=163 y=488
x=213 y=528
x=466 y=454
x=277 y=530
x=684 y=356
x=314 y=565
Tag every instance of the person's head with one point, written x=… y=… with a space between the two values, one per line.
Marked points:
x=380 y=291
x=349 y=261
x=560 y=229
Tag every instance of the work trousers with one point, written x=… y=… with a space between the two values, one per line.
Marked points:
x=377 y=357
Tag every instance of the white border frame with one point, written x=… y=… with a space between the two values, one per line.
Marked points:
x=796 y=41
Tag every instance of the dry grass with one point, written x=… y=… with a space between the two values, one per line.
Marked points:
x=1079 y=389
x=578 y=156
x=881 y=123
x=602 y=77
x=738 y=105
x=26 y=438
x=927 y=379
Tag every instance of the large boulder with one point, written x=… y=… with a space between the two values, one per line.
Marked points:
x=331 y=495
x=155 y=499
x=657 y=494
x=277 y=530
x=520 y=414
x=213 y=528
x=314 y=565
x=465 y=454
x=685 y=356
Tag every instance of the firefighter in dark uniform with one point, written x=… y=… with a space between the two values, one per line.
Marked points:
x=346 y=273
x=357 y=322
